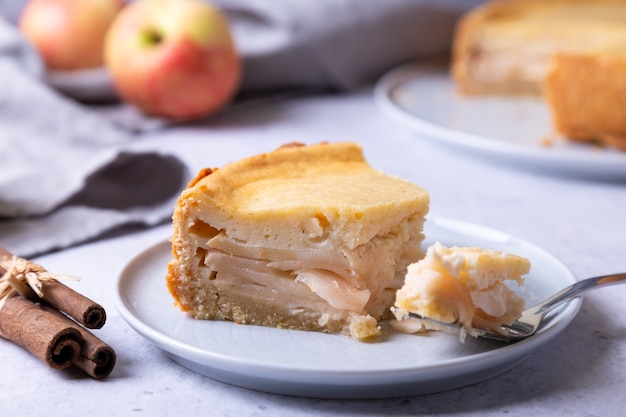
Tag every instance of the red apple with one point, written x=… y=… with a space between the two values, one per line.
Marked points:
x=69 y=34
x=173 y=58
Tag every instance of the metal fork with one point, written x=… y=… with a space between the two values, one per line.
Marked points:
x=532 y=318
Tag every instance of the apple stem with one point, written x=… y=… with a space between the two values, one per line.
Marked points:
x=152 y=37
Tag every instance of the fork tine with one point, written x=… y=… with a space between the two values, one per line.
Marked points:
x=509 y=335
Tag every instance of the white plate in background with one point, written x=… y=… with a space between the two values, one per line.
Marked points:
x=509 y=130
x=312 y=364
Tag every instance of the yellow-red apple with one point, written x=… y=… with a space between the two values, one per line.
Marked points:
x=69 y=34
x=173 y=58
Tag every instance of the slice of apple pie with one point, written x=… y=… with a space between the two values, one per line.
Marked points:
x=304 y=237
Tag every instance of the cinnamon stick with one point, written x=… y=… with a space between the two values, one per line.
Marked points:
x=47 y=336
x=97 y=359
x=46 y=317
x=82 y=309
x=79 y=307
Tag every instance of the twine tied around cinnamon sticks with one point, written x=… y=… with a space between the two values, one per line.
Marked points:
x=49 y=319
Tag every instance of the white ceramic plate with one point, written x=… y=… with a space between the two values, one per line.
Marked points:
x=319 y=365
x=509 y=130
x=88 y=84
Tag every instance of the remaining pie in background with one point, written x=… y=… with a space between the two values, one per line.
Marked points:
x=506 y=46
x=304 y=237
x=572 y=53
x=586 y=95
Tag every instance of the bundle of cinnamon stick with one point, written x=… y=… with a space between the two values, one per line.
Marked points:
x=51 y=320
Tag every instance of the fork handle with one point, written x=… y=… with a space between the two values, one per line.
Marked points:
x=576 y=290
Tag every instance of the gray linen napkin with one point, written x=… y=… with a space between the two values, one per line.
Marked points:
x=337 y=44
x=65 y=176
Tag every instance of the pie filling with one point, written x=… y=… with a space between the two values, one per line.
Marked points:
x=356 y=286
